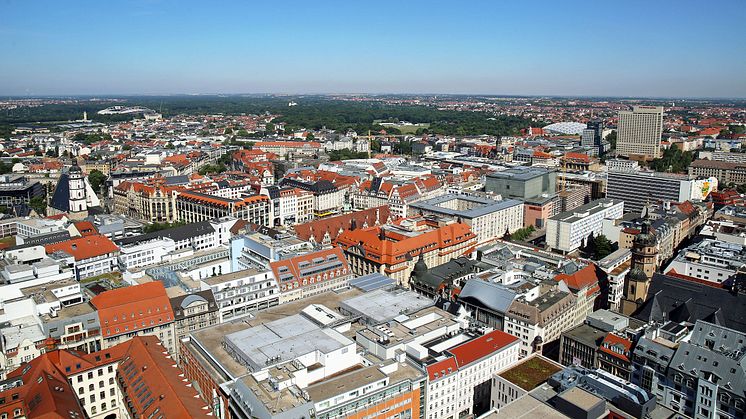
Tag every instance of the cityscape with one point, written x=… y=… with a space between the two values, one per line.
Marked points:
x=318 y=238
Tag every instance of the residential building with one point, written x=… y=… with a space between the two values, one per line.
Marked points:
x=327 y=198
x=154 y=203
x=568 y=231
x=639 y=132
x=516 y=381
x=192 y=312
x=709 y=260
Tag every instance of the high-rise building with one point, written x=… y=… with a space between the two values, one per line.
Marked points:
x=592 y=134
x=639 y=131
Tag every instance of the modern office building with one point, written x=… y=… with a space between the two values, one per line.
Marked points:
x=488 y=218
x=640 y=188
x=639 y=132
x=592 y=134
x=522 y=182
x=567 y=231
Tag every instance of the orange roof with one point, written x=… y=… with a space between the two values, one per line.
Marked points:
x=470 y=352
x=148 y=369
x=129 y=309
x=616 y=346
x=395 y=246
x=577 y=156
x=332 y=225
x=290 y=272
x=85 y=247
x=86 y=228
x=582 y=279
x=288 y=144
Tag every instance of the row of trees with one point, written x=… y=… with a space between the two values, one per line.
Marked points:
x=346 y=154
x=597 y=247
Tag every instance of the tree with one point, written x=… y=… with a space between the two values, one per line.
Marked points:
x=96 y=178
x=310 y=137
x=611 y=138
x=38 y=204
x=170 y=146
x=270 y=127
x=5 y=168
x=242 y=133
x=604 y=247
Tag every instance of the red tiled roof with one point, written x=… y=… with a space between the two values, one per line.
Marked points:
x=476 y=349
x=285 y=267
x=170 y=396
x=582 y=279
x=129 y=309
x=613 y=341
x=442 y=368
x=86 y=228
x=85 y=247
x=318 y=228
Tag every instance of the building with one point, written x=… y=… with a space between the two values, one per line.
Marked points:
x=568 y=231
x=310 y=274
x=709 y=260
x=640 y=188
x=522 y=182
x=18 y=190
x=644 y=262
x=192 y=207
x=488 y=219
x=92 y=255
x=674 y=299
x=324 y=231
x=192 y=312
x=241 y=293
x=392 y=249
x=73 y=195
x=726 y=172
x=639 y=132
x=460 y=384
x=138 y=310
x=592 y=135
x=702 y=377
x=327 y=198
x=150 y=203
x=518 y=380
x=292 y=148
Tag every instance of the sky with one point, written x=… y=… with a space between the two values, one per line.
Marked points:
x=624 y=48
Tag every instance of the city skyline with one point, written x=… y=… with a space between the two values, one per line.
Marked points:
x=583 y=50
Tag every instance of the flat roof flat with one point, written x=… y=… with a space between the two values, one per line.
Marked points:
x=381 y=305
x=372 y=282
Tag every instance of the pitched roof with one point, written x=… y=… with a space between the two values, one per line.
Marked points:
x=85 y=247
x=318 y=228
x=478 y=348
x=582 y=279
x=129 y=309
x=293 y=271
x=153 y=383
x=622 y=346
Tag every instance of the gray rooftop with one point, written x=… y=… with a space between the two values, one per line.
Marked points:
x=381 y=305
x=464 y=206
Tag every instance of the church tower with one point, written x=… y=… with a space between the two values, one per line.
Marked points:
x=76 y=184
x=644 y=260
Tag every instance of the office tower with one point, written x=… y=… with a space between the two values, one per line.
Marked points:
x=639 y=132
x=592 y=134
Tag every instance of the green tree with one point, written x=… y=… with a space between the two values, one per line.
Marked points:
x=96 y=178
x=38 y=204
x=604 y=247
x=242 y=133
x=5 y=168
x=611 y=138
x=270 y=127
x=310 y=137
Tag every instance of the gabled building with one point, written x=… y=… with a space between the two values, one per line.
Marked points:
x=311 y=274
x=92 y=255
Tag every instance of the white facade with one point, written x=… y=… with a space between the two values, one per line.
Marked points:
x=639 y=131
x=146 y=253
x=567 y=232
x=238 y=294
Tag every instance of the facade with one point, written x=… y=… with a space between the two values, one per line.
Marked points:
x=568 y=231
x=192 y=207
x=640 y=188
x=522 y=182
x=639 y=132
x=392 y=249
x=709 y=260
x=725 y=171
x=538 y=321
x=153 y=204
x=327 y=198
x=73 y=195
x=644 y=262
x=310 y=274
x=193 y=312
x=92 y=255
x=460 y=384
x=137 y=310
x=487 y=218
x=241 y=293
x=516 y=381
x=18 y=190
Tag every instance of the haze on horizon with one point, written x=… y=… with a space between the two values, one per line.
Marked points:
x=629 y=49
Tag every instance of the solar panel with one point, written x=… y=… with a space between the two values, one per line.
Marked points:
x=372 y=282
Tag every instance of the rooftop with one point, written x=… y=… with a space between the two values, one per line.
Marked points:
x=530 y=373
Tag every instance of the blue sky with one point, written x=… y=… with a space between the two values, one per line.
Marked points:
x=620 y=48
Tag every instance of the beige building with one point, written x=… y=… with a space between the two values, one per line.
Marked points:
x=639 y=132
